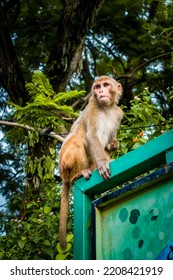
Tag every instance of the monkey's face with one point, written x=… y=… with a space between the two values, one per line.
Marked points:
x=102 y=92
x=107 y=90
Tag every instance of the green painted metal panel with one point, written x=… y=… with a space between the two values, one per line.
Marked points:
x=138 y=226
x=169 y=155
x=82 y=225
x=152 y=155
x=147 y=157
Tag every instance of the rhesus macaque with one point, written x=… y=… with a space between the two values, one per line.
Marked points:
x=88 y=145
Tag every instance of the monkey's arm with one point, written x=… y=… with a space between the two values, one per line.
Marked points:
x=98 y=154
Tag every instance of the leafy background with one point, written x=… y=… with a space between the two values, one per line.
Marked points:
x=48 y=62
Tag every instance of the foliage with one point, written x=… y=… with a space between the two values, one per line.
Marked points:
x=37 y=205
x=130 y=41
x=45 y=106
x=142 y=122
x=134 y=47
x=36 y=20
x=37 y=236
x=33 y=232
x=11 y=176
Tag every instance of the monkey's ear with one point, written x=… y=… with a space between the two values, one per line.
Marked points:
x=119 y=93
x=120 y=88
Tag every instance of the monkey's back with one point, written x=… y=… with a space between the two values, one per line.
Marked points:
x=72 y=155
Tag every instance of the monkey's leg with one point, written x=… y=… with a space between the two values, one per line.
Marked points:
x=112 y=145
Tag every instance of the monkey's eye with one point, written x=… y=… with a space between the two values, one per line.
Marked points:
x=106 y=84
x=97 y=86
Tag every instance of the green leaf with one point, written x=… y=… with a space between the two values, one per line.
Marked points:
x=61 y=256
x=23 y=238
x=47 y=243
x=125 y=150
x=47 y=209
x=69 y=237
x=124 y=144
x=143 y=140
x=137 y=145
x=47 y=177
x=52 y=151
x=60 y=250
x=21 y=243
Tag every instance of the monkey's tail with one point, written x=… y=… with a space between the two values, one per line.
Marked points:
x=63 y=214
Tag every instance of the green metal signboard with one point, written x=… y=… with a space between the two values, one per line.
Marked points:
x=137 y=226
x=136 y=221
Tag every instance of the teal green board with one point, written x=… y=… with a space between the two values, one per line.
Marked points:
x=136 y=227
x=151 y=156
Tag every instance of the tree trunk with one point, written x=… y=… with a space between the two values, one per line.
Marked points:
x=11 y=77
x=78 y=16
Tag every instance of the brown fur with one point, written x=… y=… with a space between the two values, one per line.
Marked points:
x=87 y=147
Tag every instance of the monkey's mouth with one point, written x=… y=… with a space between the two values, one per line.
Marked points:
x=104 y=97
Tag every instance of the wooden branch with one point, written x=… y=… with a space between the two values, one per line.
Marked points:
x=150 y=60
x=30 y=128
x=81 y=100
x=144 y=64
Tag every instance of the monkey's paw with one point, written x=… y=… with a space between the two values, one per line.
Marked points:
x=86 y=173
x=112 y=145
x=104 y=170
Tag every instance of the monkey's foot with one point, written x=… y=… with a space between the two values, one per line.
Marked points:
x=86 y=173
x=112 y=145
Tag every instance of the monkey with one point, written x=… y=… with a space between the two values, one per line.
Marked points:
x=91 y=139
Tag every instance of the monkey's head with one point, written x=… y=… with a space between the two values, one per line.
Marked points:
x=106 y=90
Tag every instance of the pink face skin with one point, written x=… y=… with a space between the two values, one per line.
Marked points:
x=102 y=91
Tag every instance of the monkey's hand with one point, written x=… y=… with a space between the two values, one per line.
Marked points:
x=112 y=145
x=104 y=170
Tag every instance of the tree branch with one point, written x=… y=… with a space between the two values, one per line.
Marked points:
x=132 y=74
x=149 y=61
x=30 y=128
